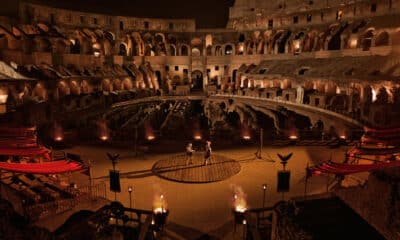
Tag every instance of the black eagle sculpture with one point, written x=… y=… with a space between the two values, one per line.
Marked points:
x=285 y=159
x=113 y=158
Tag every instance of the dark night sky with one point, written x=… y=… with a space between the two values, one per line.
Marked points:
x=208 y=13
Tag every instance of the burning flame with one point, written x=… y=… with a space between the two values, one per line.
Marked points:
x=104 y=138
x=293 y=137
x=149 y=131
x=239 y=199
x=58 y=133
x=159 y=204
x=246 y=137
x=245 y=131
x=197 y=137
x=151 y=137
x=103 y=131
x=343 y=137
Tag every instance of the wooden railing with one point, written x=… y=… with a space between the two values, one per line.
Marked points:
x=41 y=210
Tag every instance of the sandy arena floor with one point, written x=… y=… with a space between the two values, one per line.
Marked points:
x=205 y=208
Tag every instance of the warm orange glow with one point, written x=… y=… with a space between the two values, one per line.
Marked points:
x=3 y=98
x=58 y=134
x=197 y=137
x=353 y=43
x=246 y=137
x=151 y=137
x=239 y=200
x=160 y=204
x=104 y=138
x=293 y=137
x=58 y=138
x=342 y=137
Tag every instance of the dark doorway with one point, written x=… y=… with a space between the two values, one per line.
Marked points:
x=122 y=50
x=76 y=47
x=197 y=80
x=234 y=76
x=158 y=75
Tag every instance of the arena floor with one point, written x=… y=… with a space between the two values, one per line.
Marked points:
x=200 y=208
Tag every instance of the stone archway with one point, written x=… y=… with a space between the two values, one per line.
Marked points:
x=158 y=76
x=197 y=80
x=367 y=40
x=382 y=39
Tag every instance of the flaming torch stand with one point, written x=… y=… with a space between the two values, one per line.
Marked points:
x=239 y=219
x=160 y=216
x=160 y=219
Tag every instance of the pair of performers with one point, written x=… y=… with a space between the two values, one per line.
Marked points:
x=190 y=150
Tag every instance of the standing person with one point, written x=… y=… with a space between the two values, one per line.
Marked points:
x=189 y=153
x=207 y=153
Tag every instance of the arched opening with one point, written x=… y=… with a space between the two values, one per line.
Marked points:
x=127 y=84
x=228 y=50
x=172 y=50
x=63 y=89
x=75 y=88
x=367 y=40
x=209 y=50
x=158 y=76
x=117 y=85
x=40 y=92
x=106 y=85
x=122 y=49
x=218 y=50
x=382 y=39
x=196 y=52
x=209 y=40
x=335 y=41
x=85 y=87
x=197 y=80
x=241 y=37
x=61 y=47
x=234 y=76
x=282 y=42
x=184 y=51
x=75 y=46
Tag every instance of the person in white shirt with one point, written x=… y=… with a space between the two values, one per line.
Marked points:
x=189 y=153
x=207 y=153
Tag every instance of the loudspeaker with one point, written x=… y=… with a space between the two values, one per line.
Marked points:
x=283 y=181
x=115 y=186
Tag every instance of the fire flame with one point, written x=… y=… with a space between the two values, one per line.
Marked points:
x=239 y=199
x=245 y=131
x=197 y=137
x=293 y=137
x=103 y=131
x=58 y=133
x=151 y=137
x=149 y=131
x=246 y=137
x=159 y=204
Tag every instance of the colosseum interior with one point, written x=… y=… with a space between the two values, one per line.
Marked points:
x=320 y=78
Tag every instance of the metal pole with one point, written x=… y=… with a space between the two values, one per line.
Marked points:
x=136 y=137
x=90 y=177
x=306 y=182
x=264 y=190
x=130 y=189
x=261 y=140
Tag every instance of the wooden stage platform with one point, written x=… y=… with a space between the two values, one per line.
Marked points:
x=176 y=169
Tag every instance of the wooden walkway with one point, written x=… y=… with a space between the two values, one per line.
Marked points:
x=175 y=169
